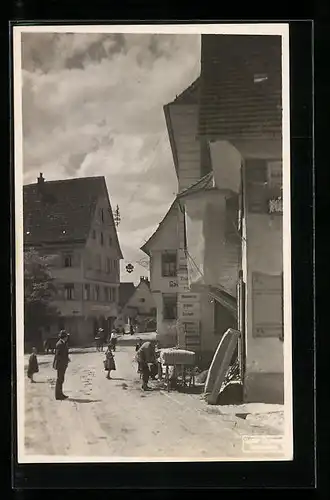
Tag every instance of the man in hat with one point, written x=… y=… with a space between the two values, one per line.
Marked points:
x=60 y=364
x=146 y=356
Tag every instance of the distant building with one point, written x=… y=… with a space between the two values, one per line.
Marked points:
x=137 y=307
x=72 y=220
x=162 y=248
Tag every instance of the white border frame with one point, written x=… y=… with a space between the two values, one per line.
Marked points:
x=233 y=29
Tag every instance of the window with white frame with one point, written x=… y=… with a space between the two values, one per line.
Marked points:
x=169 y=264
x=169 y=306
x=69 y=291
x=87 y=291
x=108 y=265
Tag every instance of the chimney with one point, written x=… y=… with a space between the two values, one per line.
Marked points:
x=40 y=179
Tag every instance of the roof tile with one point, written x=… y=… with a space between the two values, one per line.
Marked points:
x=231 y=103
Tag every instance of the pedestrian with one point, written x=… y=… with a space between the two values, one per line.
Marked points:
x=113 y=339
x=145 y=356
x=33 y=366
x=109 y=362
x=97 y=339
x=101 y=336
x=138 y=345
x=60 y=364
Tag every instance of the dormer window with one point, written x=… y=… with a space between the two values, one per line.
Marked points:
x=260 y=77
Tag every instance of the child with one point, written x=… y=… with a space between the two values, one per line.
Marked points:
x=33 y=366
x=109 y=362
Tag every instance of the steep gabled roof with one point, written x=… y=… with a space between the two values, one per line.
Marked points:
x=240 y=86
x=206 y=182
x=61 y=211
x=126 y=290
x=145 y=247
x=189 y=96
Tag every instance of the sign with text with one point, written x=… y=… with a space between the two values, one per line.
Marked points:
x=189 y=297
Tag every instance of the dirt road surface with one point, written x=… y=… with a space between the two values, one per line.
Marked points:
x=114 y=418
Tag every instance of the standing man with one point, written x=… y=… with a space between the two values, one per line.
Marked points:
x=60 y=364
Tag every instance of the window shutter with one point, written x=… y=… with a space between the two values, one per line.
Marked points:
x=267 y=297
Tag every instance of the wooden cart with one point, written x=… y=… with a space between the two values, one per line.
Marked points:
x=182 y=363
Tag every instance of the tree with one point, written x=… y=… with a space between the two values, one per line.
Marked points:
x=39 y=292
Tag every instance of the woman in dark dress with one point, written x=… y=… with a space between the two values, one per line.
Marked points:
x=33 y=366
x=109 y=362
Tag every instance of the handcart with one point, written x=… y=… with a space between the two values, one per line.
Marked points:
x=178 y=364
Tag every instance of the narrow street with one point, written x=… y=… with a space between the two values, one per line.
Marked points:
x=115 y=418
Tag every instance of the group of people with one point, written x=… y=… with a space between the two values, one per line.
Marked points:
x=146 y=357
x=101 y=339
x=60 y=363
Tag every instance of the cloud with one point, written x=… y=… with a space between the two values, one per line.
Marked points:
x=93 y=105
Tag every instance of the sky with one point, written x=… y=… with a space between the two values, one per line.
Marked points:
x=93 y=105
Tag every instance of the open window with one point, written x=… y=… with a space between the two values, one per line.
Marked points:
x=69 y=291
x=68 y=260
x=169 y=306
x=169 y=264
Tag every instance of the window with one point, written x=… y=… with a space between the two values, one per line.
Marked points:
x=98 y=262
x=142 y=300
x=94 y=234
x=267 y=304
x=87 y=292
x=169 y=264
x=102 y=215
x=102 y=239
x=68 y=260
x=110 y=241
x=106 y=294
x=88 y=261
x=275 y=174
x=97 y=293
x=111 y=294
x=169 y=306
x=61 y=324
x=108 y=265
x=69 y=291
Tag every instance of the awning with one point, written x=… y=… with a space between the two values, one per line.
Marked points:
x=224 y=298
